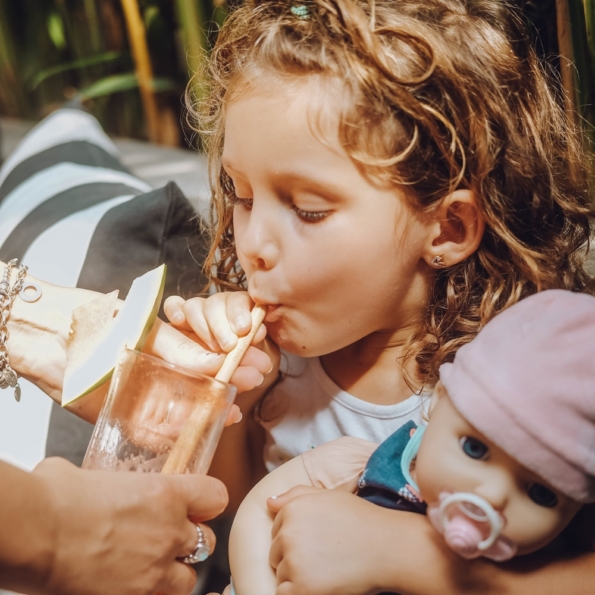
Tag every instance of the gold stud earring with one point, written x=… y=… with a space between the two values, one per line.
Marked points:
x=437 y=261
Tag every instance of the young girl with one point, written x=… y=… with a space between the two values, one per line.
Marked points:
x=504 y=464
x=387 y=177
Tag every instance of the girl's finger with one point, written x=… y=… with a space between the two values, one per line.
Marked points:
x=194 y=312
x=246 y=378
x=276 y=503
x=234 y=416
x=258 y=359
x=239 y=306
x=174 y=310
x=215 y=314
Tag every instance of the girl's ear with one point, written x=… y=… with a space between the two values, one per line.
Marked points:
x=458 y=229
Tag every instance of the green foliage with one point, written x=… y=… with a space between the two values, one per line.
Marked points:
x=74 y=65
x=118 y=83
x=52 y=50
x=55 y=28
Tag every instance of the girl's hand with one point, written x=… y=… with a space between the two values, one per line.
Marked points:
x=316 y=557
x=217 y=321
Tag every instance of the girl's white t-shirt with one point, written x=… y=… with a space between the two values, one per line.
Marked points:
x=307 y=409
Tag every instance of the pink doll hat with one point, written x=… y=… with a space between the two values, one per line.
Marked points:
x=527 y=383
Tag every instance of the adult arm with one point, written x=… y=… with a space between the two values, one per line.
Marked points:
x=65 y=531
x=38 y=337
x=325 y=541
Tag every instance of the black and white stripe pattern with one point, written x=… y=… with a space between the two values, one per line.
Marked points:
x=75 y=216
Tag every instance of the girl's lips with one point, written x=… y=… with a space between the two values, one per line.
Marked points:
x=273 y=313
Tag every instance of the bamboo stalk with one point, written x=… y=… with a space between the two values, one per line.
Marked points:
x=93 y=24
x=192 y=21
x=182 y=451
x=566 y=52
x=142 y=61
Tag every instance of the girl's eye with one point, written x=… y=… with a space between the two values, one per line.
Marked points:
x=235 y=201
x=474 y=448
x=542 y=496
x=311 y=216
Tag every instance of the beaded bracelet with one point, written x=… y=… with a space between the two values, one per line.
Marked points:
x=8 y=377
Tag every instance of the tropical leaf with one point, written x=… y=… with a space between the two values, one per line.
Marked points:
x=74 y=65
x=55 y=27
x=119 y=83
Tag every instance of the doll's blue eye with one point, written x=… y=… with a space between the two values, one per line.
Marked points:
x=474 y=448
x=542 y=496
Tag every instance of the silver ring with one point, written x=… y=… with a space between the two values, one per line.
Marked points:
x=201 y=551
x=27 y=296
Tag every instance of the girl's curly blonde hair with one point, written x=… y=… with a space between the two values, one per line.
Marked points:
x=443 y=94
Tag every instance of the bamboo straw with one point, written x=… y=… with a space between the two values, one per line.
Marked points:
x=195 y=426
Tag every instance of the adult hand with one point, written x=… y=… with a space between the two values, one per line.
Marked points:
x=38 y=337
x=337 y=555
x=124 y=533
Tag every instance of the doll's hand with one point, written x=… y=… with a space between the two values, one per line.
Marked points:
x=314 y=557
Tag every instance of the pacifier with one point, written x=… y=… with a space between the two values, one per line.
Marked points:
x=471 y=527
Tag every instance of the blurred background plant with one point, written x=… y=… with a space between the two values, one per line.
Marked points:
x=130 y=60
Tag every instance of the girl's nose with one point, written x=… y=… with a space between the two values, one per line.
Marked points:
x=257 y=241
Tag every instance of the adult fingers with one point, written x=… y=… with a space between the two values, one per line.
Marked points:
x=191 y=541
x=205 y=496
x=179 y=580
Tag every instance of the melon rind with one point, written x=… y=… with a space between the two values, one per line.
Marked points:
x=130 y=328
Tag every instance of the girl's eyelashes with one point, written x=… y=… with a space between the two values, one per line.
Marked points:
x=306 y=216
x=234 y=201
x=310 y=216
x=474 y=448
x=541 y=495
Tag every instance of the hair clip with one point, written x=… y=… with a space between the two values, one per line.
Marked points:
x=300 y=11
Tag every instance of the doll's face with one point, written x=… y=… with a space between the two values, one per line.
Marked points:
x=455 y=457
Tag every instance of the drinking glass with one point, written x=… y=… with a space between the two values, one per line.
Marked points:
x=148 y=405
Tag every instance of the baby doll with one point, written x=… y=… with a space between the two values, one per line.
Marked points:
x=505 y=463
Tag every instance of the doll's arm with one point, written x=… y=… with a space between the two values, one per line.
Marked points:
x=337 y=464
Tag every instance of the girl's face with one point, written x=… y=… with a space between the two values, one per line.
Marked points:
x=334 y=254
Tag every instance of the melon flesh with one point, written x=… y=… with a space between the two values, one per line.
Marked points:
x=129 y=328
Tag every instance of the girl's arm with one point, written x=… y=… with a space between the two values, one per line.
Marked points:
x=336 y=464
x=339 y=543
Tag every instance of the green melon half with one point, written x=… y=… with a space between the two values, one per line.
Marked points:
x=130 y=328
